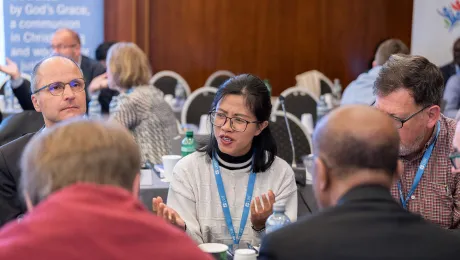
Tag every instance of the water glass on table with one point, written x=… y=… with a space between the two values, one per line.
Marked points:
x=169 y=161
x=245 y=254
x=218 y=251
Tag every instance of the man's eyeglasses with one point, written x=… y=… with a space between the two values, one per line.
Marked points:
x=57 y=88
x=236 y=123
x=399 y=123
x=62 y=46
x=455 y=158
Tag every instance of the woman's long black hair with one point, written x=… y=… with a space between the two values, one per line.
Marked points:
x=257 y=99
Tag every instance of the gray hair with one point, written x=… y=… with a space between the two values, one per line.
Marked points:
x=416 y=74
x=35 y=78
x=79 y=150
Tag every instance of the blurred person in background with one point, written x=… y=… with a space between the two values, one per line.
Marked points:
x=65 y=42
x=81 y=185
x=101 y=52
x=99 y=85
x=452 y=96
x=354 y=166
x=141 y=107
x=360 y=91
x=453 y=67
x=240 y=159
x=58 y=94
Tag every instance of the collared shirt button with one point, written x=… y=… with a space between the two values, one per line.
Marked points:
x=412 y=197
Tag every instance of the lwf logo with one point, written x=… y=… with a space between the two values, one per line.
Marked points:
x=451 y=14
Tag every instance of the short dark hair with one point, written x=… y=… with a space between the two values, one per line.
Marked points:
x=350 y=152
x=346 y=149
x=415 y=73
x=102 y=50
x=257 y=99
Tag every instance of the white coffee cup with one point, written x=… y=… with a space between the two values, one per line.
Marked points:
x=245 y=254
x=218 y=251
x=169 y=161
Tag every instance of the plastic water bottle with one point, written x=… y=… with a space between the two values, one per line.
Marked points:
x=94 y=107
x=9 y=96
x=188 y=144
x=179 y=94
x=337 y=89
x=278 y=219
x=321 y=108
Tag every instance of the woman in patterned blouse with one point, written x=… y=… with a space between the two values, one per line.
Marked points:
x=140 y=106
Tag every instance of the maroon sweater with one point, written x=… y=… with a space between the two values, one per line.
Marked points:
x=86 y=221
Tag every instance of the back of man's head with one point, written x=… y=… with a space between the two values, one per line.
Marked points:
x=388 y=48
x=79 y=151
x=353 y=140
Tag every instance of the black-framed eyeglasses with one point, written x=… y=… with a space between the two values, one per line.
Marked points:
x=455 y=158
x=399 y=123
x=236 y=123
x=57 y=88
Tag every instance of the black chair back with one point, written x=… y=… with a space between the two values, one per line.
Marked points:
x=17 y=125
x=302 y=142
x=298 y=101
x=197 y=104
x=325 y=87
x=167 y=84
x=218 y=81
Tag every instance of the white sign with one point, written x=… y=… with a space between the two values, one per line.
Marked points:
x=435 y=27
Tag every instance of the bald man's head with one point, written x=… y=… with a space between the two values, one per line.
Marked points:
x=68 y=33
x=55 y=61
x=66 y=42
x=58 y=89
x=357 y=137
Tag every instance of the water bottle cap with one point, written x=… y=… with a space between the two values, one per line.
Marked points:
x=278 y=206
x=189 y=134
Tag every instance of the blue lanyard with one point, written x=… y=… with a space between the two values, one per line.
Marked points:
x=224 y=202
x=420 y=171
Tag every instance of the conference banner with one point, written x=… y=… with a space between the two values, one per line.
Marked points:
x=26 y=27
x=435 y=27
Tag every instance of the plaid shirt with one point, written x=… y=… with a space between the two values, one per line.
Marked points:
x=437 y=197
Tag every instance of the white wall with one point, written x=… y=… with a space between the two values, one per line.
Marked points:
x=431 y=36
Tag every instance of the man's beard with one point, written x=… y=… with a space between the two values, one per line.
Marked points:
x=414 y=147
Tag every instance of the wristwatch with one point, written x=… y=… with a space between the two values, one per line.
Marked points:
x=258 y=230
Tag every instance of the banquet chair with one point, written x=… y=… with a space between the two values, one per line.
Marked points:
x=316 y=82
x=167 y=81
x=218 y=78
x=197 y=104
x=298 y=101
x=326 y=86
x=17 y=125
x=300 y=137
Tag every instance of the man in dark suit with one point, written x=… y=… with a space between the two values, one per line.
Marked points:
x=20 y=86
x=67 y=43
x=453 y=67
x=355 y=161
x=59 y=94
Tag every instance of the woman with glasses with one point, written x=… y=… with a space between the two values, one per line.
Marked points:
x=225 y=192
x=140 y=107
